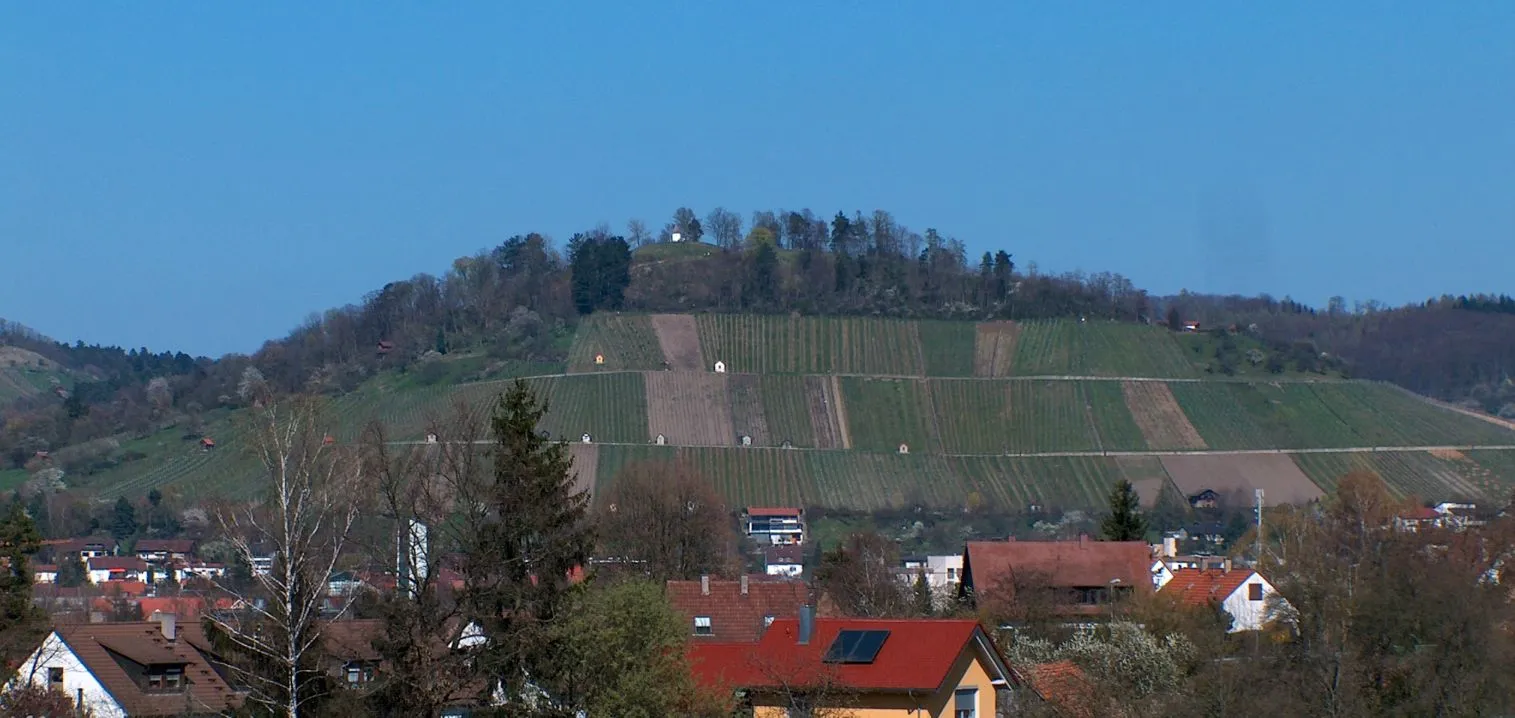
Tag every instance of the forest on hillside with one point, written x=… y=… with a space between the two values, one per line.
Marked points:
x=521 y=299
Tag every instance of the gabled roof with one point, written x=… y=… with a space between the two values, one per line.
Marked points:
x=94 y=644
x=789 y=554
x=1066 y=687
x=918 y=655
x=165 y=545
x=1422 y=513
x=1059 y=564
x=1198 y=587
x=353 y=640
x=117 y=563
x=735 y=617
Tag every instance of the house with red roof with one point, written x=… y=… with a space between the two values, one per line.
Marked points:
x=872 y=667
x=1079 y=577
x=717 y=611
x=1066 y=688
x=1242 y=593
x=116 y=568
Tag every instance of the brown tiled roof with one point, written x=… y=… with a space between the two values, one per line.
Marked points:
x=790 y=554
x=1059 y=564
x=353 y=640
x=117 y=563
x=94 y=644
x=772 y=511
x=1198 y=587
x=166 y=545
x=737 y=618
x=1064 y=686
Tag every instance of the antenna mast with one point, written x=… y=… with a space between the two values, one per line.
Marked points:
x=1259 y=494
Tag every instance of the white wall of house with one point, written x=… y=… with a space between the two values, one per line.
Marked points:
x=45 y=577
x=1247 y=614
x=1161 y=574
x=785 y=569
x=78 y=682
x=944 y=571
x=101 y=575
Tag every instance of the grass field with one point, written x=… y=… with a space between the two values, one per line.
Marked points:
x=811 y=345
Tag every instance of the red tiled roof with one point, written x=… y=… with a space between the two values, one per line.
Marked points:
x=1197 y=587
x=733 y=616
x=771 y=511
x=1065 y=686
x=1420 y=514
x=184 y=607
x=124 y=588
x=1060 y=564
x=918 y=655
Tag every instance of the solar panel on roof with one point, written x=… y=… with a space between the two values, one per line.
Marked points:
x=855 y=646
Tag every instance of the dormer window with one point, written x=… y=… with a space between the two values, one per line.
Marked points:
x=165 y=678
x=702 y=626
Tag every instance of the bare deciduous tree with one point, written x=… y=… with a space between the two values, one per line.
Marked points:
x=312 y=502
x=666 y=520
x=861 y=577
x=725 y=225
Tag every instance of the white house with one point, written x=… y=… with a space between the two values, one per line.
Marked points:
x=44 y=573
x=116 y=568
x=114 y=670
x=1242 y=593
x=942 y=572
x=787 y=560
x=201 y=569
x=774 y=526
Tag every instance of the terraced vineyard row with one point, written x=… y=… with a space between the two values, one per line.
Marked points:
x=812 y=345
x=863 y=481
x=1062 y=347
x=626 y=341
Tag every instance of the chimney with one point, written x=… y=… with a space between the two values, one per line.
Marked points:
x=1083 y=540
x=168 y=622
x=704 y=585
x=1225 y=566
x=807 y=624
x=744 y=584
x=1170 y=546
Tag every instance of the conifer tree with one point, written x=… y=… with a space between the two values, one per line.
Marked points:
x=530 y=535
x=1125 y=522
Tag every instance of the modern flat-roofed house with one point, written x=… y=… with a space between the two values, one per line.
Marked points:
x=776 y=526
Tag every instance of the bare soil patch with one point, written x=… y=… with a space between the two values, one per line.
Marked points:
x=586 y=464
x=1449 y=454
x=679 y=337
x=747 y=415
x=1161 y=420
x=825 y=412
x=1238 y=474
x=994 y=348
x=1146 y=474
x=689 y=408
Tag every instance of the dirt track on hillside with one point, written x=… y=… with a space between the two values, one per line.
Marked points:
x=1238 y=474
x=586 y=464
x=994 y=348
x=826 y=416
x=689 y=408
x=1161 y=420
x=679 y=337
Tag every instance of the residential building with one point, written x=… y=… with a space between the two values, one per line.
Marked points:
x=154 y=668
x=87 y=548
x=116 y=568
x=1206 y=499
x=942 y=572
x=1079 y=577
x=160 y=551
x=735 y=611
x=774 y=525
x=909 y=667
x=787 y=560
x=1242 y=593
x=44 y=573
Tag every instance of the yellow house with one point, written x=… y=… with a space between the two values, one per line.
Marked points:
x=863 y=668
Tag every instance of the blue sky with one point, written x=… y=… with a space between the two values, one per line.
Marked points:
x=201 y=176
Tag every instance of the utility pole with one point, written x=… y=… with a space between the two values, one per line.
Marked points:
x=1258 y=550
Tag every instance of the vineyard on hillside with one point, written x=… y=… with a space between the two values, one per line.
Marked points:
x=811 y=345
x=885 y=413
x=948 y=347
x=627 y=341
x=1065 y=347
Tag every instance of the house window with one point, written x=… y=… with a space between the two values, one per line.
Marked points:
x=767 y=620
x=951 y=574
x=965 y=703
x=165 y=679
x=54 y=676
x=702 y=626
x=359 y=673
x=1254 y=592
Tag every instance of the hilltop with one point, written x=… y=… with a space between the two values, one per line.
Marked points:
x=868 y=414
